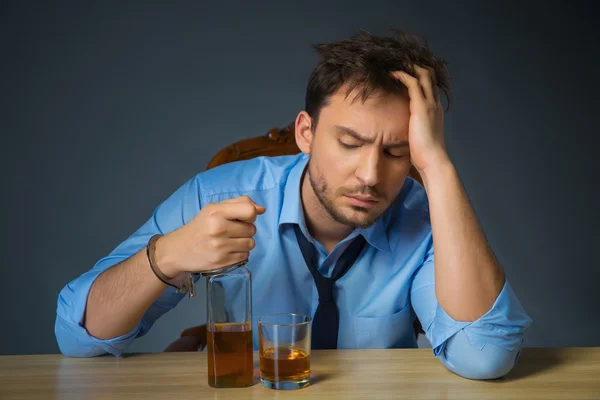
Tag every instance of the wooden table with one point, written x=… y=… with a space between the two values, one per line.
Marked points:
x=361 y=374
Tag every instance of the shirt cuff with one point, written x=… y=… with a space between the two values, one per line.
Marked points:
x=503 y=325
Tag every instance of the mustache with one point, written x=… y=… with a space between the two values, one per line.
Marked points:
x=361 y=190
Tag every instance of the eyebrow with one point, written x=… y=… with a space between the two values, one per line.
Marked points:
x=351 y=132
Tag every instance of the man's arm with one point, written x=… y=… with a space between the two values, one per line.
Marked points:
x=72 y=320
x=120 y=296
x=468 y=277
x=486 y=348
x=218 y=236
x=110 y=326
x=470 y=314
x=107 y=307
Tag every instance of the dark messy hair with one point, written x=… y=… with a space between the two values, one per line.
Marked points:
x=364 y=62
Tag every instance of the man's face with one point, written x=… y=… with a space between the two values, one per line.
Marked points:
x=360 y=156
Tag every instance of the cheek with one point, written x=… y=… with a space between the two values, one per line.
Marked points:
x=329 y=170
x=334 y=173
x=395 y=176
x=336 y=168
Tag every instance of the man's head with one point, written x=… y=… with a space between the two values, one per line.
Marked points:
x=355 y=123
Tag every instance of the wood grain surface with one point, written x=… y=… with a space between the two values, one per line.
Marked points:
x=572 y=373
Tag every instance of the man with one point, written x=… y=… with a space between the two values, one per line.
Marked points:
x=372 y=110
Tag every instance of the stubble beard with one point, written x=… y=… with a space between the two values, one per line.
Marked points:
x=320 y=188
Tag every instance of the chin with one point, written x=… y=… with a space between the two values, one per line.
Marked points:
x=359 y=218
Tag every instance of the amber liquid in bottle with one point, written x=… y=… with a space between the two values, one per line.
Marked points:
x=230 y=355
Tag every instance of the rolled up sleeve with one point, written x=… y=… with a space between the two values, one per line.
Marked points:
x=487 y=348
x=72 y=337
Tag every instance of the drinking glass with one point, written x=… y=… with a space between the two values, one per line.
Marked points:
x=284 y=350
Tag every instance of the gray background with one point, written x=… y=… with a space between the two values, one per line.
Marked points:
x=107 y=108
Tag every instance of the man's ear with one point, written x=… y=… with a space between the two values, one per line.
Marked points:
x=303 y=130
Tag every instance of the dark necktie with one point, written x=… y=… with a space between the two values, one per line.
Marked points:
x=326 y=321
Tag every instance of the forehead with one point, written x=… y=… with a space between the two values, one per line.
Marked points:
x=380 y=114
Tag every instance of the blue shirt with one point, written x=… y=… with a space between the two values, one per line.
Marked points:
x=379 y=298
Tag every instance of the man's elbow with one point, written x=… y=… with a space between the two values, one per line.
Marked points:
x=482 y=368
x=70 y=345
x=490 y=362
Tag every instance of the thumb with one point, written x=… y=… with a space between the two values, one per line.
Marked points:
x=259 y=209
x=242 y=199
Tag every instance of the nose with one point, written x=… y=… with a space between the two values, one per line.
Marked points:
x=368 y=167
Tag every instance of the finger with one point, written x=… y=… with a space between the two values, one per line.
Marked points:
x=239 y=229
x=434 y=86
x=241 y=211
x=237 y=245
x=234 y=258
x=240 y=199
x=245 y=199
x=425 y=82
x=229 y=259
x=412 y=84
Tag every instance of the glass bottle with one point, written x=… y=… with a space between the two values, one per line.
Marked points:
x=229 y=327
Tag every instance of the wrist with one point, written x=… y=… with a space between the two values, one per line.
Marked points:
x=438 y=171
x=164 y=257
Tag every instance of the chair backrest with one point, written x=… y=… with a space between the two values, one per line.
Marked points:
x=277 y=142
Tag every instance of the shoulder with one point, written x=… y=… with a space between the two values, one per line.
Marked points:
x=241 y=177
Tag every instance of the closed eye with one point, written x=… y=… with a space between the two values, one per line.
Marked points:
x=348 y=146
x=354 y=146
x=387 y=152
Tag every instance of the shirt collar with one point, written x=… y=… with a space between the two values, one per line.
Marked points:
x=292 y=212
